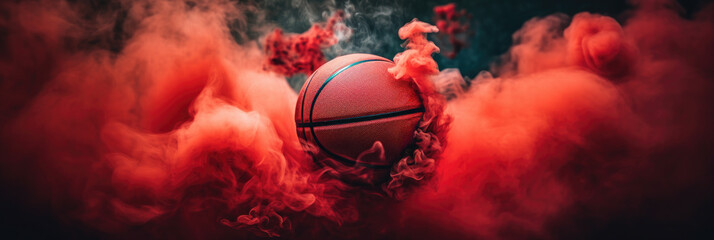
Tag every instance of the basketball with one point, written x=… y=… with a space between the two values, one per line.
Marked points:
x=358 y=117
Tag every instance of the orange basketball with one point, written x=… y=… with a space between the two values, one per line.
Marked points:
x=349 y=104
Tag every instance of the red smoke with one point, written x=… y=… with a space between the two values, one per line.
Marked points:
x=165 y=127
x=454 y=26
x=580 y=126
x=415 y=64
x=301 y=53
x=182 y=122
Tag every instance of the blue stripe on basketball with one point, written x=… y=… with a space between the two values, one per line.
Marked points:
x=312 y=107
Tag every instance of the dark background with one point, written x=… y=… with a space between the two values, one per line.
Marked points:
x=493 y=22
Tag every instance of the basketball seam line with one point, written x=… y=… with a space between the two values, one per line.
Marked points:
x=312 y=107
x=362 y=118
x=302 y=106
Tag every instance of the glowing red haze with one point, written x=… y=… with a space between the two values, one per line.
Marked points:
x=454 y=26
x=165 y=127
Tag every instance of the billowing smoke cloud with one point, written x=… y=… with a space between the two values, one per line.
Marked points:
x=582 y=126
x=179 y=122
x=151 y=121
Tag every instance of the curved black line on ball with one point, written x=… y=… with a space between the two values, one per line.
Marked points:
x=302 y=106
x=362 y=118
x=312 y=128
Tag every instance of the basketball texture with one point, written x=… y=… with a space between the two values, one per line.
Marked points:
x=352 y=102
